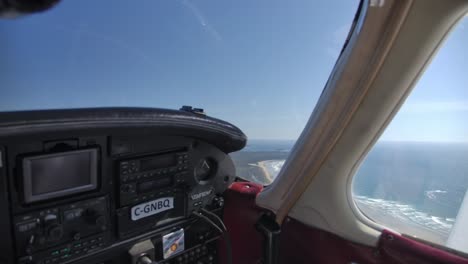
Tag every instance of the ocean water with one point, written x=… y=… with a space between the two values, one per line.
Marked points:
x=418 y=183
x=258 y=145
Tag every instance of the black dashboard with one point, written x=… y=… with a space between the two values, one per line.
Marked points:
x=113 y=185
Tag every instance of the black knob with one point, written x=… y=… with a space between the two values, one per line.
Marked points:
x=205 y=170
x=94 y=217
x=100 y=220
x=55 y=232
x=218 y=202
x=77 y=236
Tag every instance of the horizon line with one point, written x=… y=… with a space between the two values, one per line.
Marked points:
x=379 y=141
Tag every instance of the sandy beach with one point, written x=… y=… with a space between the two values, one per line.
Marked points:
x=267 y=175
x=269 y=168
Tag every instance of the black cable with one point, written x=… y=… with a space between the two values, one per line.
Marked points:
x=216 y=217
x=224 y=233
x=209 y=221
x=227 y=238
x=227 y=242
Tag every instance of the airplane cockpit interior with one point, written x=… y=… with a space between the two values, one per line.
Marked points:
x=233 y=132
x=142 y=185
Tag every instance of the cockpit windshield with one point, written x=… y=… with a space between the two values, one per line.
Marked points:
x=258 y=64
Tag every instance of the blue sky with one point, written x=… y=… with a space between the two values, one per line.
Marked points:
x=260 y=64
x=437 y=108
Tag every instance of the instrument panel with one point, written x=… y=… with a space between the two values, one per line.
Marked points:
x=90 y=193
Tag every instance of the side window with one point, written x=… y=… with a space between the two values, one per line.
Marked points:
x=415 y=178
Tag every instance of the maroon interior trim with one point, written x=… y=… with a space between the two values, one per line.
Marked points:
x=304 y=244
x=240 y=216
x=395 y=248
x=300 y=243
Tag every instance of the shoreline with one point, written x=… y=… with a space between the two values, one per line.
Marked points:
x=266 y=169
x=261 y=165
x=266 y=175
x=403 y=226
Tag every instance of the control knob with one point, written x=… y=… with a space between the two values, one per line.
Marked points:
x=94 y=218
x=205 y=171
x=54 y=229
x=218 y=202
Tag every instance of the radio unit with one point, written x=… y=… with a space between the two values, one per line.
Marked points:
x=64 y=232
x=144 y=178
x=154 y=165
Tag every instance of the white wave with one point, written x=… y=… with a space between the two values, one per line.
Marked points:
x=434 y=193
x=407 y=212
x=273 y=167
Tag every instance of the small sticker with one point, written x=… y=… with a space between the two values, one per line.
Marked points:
x=151 y=208
x=173 y=243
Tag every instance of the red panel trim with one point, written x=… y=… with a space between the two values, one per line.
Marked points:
x=300 y=243
x=304 y=244
x=246 y=188
x=395 y=248
x=240 y=216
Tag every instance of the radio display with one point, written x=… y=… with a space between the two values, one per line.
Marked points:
x=158 y=162
x=154 y=184
x=59 y=174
